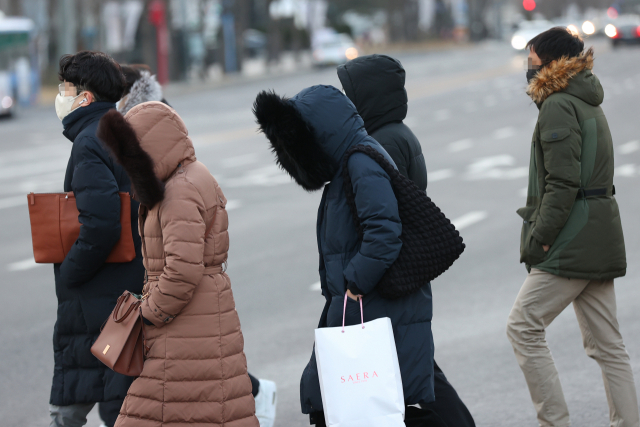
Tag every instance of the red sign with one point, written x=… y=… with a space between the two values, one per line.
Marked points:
x=529 y=5
x=157 y=16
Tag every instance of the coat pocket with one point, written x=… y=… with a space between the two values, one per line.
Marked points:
x=531 y=251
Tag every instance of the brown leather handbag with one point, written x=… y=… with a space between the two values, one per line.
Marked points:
x=55 y=227
x=121 y=344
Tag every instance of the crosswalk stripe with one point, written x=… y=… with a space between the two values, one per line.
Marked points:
x=12 y=202
x=469 y=219
x=23 y=265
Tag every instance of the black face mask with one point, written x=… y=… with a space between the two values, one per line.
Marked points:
x=532 y=73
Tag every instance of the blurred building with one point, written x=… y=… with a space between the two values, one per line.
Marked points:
x=184 y=39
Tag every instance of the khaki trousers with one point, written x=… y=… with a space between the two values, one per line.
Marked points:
x=542 y=298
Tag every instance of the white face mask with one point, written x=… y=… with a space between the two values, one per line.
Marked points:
x=64 y=104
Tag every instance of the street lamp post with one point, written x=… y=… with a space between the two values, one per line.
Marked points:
x=229 y=37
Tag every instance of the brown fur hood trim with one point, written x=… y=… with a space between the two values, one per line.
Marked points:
x=555 y=77
x=119 y=137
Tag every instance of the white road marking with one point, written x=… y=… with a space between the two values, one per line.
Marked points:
x=629 y=147
x=439 y=175
x=32 y=169
x=233 y=204
x=628 y=170
x=267 y=176
x=488 y=163
x=469 y=219
x=463 y=144
x=12 y=202
x=315 y=287
x=504 y=133
x=26 y=264
x=245 y=159
x=487 y=168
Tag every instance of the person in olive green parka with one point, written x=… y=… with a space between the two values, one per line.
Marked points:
x=570 y=203
x=572 y=241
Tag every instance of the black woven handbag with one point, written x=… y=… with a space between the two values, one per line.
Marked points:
x=430 y=242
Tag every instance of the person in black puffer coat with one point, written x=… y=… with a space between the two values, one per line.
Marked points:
x=87 y=288
x=375 y=84
x=310 y=134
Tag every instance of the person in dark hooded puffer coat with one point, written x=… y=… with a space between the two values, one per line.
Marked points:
x=309 y=134
x=375 y=85
x=87 y=287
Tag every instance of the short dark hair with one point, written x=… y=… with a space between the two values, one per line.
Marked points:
x=95 y=72
x=132 y=73
x=556 y=43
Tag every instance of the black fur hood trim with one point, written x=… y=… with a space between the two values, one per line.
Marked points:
x=120 y=138
x=293 y=141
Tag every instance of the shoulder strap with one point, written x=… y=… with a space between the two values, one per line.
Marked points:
x=348 y=186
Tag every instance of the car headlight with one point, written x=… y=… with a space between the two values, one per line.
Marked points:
x=351 y=53
x=611 y=31
x=588 y=28
x=573 y=29
x=518 y=42
x=7 y=102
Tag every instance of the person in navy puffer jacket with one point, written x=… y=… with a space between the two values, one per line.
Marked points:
x=309 y=134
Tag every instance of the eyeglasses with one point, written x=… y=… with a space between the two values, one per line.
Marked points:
x=67 y=89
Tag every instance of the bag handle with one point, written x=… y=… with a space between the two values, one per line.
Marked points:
x=122 y=300
x=344 y=311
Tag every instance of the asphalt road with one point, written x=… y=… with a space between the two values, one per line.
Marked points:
x=474 y=121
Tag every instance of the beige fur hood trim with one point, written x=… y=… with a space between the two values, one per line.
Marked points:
x=555 y=77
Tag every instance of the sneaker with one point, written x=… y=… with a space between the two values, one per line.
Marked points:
x=266 y=401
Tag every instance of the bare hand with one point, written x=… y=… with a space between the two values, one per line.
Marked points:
x=352 y=296
x=546 y=248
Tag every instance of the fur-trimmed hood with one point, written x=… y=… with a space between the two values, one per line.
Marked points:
x=145 y=89
x=570 y=75
x=310 y=132
x=150 y=142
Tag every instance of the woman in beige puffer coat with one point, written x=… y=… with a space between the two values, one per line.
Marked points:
x=196 y=370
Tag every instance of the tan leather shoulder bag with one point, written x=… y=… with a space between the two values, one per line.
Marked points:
x=55 y=227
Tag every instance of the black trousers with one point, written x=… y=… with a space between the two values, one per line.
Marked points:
x=448 y=406
x=448 y=410
x=109 y=411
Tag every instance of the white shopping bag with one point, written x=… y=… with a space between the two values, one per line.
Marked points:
x=360 y=374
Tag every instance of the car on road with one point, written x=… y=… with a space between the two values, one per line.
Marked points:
x=6 y=95
x=18 y=59
x=334 y=50
x=528 y=30
x=624 y=29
